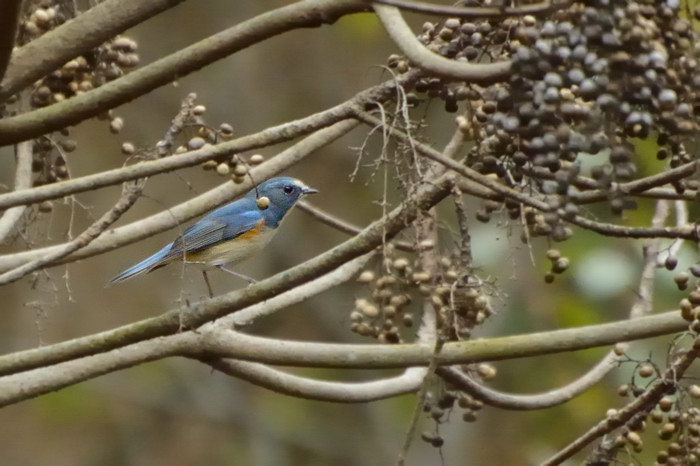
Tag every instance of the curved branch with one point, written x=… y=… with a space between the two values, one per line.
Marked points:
x=320 y=390
x=479 y=12
x=197 y=345
x=93 y=27
x=406 y=41
x=232 y=344
x=306 y=13
x=429 y=194
x=9 y=20
x=529 y=402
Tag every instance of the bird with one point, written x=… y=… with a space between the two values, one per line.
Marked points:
x=229 y=234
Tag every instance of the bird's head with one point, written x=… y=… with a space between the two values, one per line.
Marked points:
x=282 y=192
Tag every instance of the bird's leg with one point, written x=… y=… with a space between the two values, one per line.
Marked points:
x=206 y=280
x=239 y=275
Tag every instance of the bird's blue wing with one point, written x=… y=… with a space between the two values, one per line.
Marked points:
x=220 y=225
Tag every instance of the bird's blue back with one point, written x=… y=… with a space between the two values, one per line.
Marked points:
x=206 y=240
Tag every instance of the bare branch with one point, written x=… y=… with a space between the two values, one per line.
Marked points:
x=85 y=238
x=48 y=52
x=638 y=186
x=306 y=13
x=9 y=20
x=406 y=41
x=528 y=402
x=303 y=387
x=689 y=231
x=176 y=215
x=236 y=345
x=213 y=342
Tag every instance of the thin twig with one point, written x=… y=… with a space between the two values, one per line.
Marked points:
x=463 y=170
x=342 y=225
x=644 y=403
x=82 y=240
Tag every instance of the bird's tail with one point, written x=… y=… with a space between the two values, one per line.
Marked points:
x=146 y=265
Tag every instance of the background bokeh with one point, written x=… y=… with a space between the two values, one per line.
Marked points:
x=177 y=412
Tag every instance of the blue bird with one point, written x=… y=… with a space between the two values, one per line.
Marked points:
x=230 y=233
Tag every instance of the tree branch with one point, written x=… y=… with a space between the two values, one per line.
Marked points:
x=214 y=342
x=9 y=20
x=23 y=180
x=175 y=320
x=79 y=35
x=406 y=41
x=85 y=238
x=270 y=136
x=320 y=390
x=521 y=402
x=644 y=403
x=180 y=213
x=306 y=13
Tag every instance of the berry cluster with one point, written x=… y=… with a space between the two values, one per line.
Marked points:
x=591 y=78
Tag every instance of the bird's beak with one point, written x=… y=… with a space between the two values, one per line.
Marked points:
x=307 y=190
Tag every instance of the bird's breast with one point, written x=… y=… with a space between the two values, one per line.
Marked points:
x=234 y=250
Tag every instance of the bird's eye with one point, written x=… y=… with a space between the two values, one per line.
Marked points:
x=288 y=189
